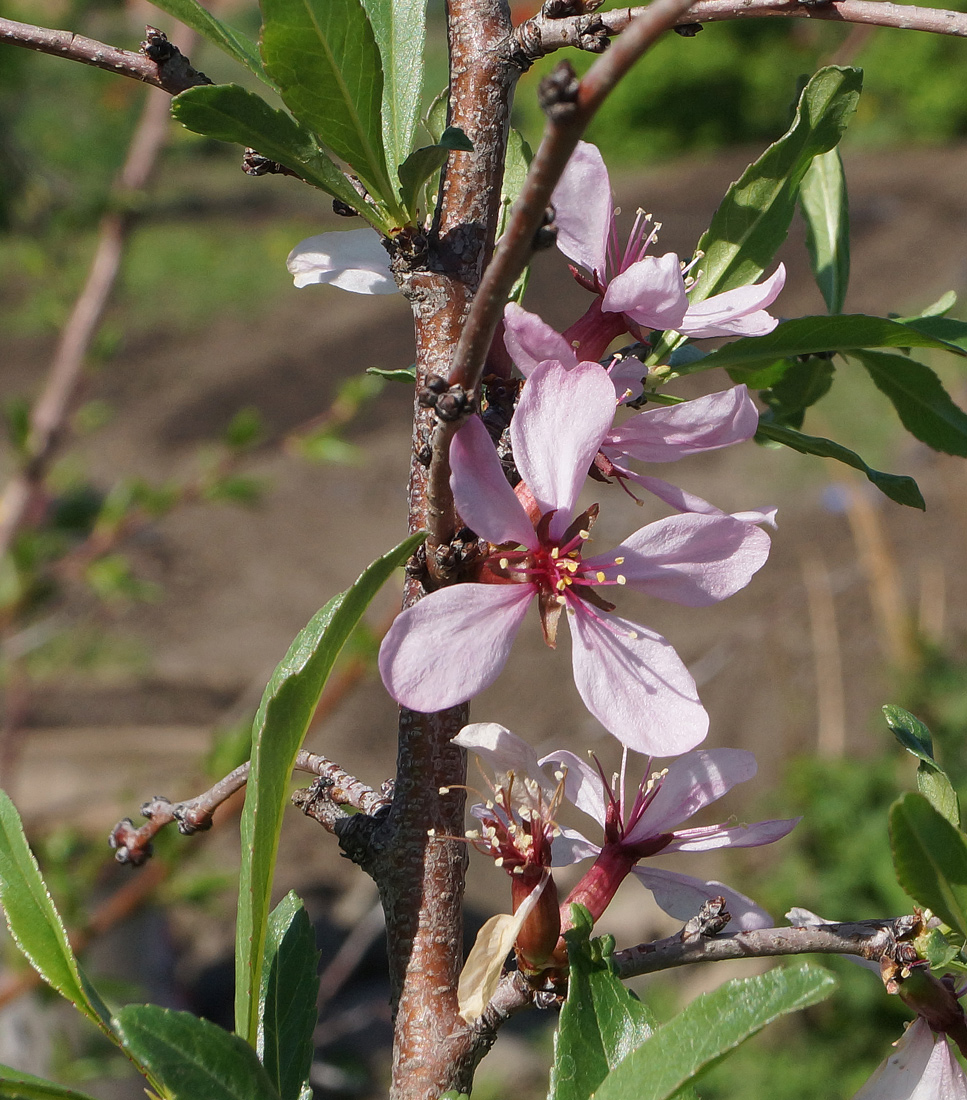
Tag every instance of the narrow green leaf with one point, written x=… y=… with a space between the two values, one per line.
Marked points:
x=825 y=208
x=229 y=112
x=942 y=306
x=948 y=329
x=923 y=405
x=226 y=38
x=755 y=214
x=287 y=997
x=930 y=857
x=932 y=780
x=516 y=163
x=423 y=163
x=192 y=1058
x=15 y=1085
x=810 y=335
x=399 y=27
x=403 y=374
x=802 y=384
x=709 y=1027
x=601 y=1021
x=34 y=922
x=279 y=728
x=323 y=56
x=898 y=487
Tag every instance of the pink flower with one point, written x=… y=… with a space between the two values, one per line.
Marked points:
x=454 y=642
x=636 y=290
x=638 y=830
x=353 y=260
x=922 y=1067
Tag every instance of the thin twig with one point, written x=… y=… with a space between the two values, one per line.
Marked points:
x=169 y=70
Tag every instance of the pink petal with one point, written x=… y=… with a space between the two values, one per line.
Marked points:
x=486 y=502
x=692 y=782
x=582 y=784
x=452 y=644
x=530 y=341
x=707 y=837
x=504 y=751
x=705 y=424
x=571 y=847
x=353 y=260
x=688 y=502
x=691 y=559
x=561 y=418
x=651 y=292
x=682 y=896
x=738 y=312
x=634 y=683
x=922 y=1067
x=584 y=209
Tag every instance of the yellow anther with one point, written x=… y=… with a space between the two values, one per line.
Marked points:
x=443 y=790
x=431 y=832
x=504 y=563
x=601 y=577
x=499 y=861
x=621 y=579
x=584 y=535
x=554 y=553
x=619 y=561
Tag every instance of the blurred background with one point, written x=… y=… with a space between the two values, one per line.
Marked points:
x=226 y=466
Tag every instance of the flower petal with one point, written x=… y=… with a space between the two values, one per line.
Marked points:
x=706 y=837
x=922 y=1067
x=705 y=424
x=691 y=782
x=353 y=260
x=584 y=209
x=634 y=683
x=486 y=502
x=650 y=291
x=504 y=751
x=682 y=896
x=738 y=312
x=530 y=341
x=561 y=418
x=688 y=502
x=571 y=847
x=582 y=784
x=691 y=559
x=452 y=644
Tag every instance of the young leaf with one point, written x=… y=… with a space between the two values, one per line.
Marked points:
x=755 y=214
x=35 y=923
x=192 y=1058
x=923 y=405
x=802 y=384
x=825 y=208
x=421 y=164
x=932 y=781
x=709 y=1027
x=930 y=857
x=811 y=335
x=912 y=734
x=322 y=54
x=601 y=1021
x=229 y=112
x=226 y=38
x=280 y=725
x=400 y=30
x=15 y=1085
x=898 y=487
x=287 y=997
x=516 y=163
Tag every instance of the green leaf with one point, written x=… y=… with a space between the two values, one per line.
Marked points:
x=192 y=1058
x=708 y=1028
x=755 y=214
x=229 y=112
x=226 y=38
x=898 y=487
x=951 y=331
x=923 y=405
x=403 y=374
x=280 y=726
x=423 y=163
x=930 y=857
x=34 y=922
x=825 y=208
x=287 y=997
x=15 y=1085
x=802 y=384
x=601 y=1021
x=399 y=27
x=323 y=56
x=516 y=164
x=811 y=335
x=932 y=781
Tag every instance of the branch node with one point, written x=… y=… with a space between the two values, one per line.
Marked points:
x=558 y=93
x=174 y=69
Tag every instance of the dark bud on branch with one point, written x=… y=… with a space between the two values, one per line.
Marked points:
x=561 y=9
x=343 y=209
x=174 y=68
x=254 y=164
x=546 y=236
x=450 y=403
x=558 y=93
x=689 y=30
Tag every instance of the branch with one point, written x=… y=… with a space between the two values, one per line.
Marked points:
x=158 y=62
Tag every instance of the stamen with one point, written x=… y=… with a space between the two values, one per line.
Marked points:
x=621 y=579
x=443 y=790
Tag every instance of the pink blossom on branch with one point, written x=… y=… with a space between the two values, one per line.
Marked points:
x=636 y=829
x=353 y=260
x=635 y=290
x=921 y=1067
x=454 y=642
